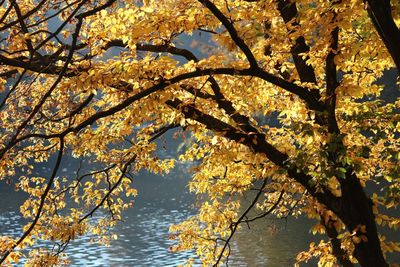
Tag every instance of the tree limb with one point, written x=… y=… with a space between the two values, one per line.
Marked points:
x=380 y=12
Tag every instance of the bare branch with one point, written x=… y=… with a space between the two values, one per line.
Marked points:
x=241 y=219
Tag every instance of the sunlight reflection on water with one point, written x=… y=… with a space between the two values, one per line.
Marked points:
x=143 y=236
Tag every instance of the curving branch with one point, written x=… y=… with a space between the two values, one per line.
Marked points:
x=306 y=72
x=353 y=207
x=257 y=142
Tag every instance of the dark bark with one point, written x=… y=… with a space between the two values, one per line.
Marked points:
x=339 y=253
x=356 y=210
x=381 y=16
x=332 y=83
x=306 y=72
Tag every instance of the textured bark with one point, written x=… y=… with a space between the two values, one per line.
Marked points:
x=356 y=210
x=288 y=12
x=381 y=16
x=339 y=253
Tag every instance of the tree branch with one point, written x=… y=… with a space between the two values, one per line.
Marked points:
x=257 y=142
x=41 y=204
x=331 y=82
x=235 y=225
x=288 y=11
x=23 y=27
x=24 y=16
x=339 y=253
x=232 y=32
x=380 y=13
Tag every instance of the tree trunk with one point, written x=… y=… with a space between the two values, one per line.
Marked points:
x=355 y=210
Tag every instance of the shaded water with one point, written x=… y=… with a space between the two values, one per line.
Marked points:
x=143 y=237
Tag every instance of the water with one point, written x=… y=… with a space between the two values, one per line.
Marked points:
x=143 y=237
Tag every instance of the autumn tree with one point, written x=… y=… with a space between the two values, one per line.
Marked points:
x=312 y=65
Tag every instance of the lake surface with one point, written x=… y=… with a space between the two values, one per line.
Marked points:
x=143 y=237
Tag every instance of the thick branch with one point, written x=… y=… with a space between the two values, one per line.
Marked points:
x=381 y=15
x=35 y=66
x=339 y=253
x=156 y=49
x=289 y=14
x=302 y=92
x=331 y=82
x=257 y=142
x=353 y=208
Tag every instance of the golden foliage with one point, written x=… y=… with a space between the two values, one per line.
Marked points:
x=116 y=77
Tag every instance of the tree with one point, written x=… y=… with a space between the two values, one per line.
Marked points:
x=313 y=65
